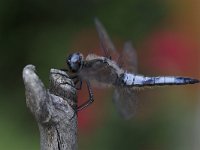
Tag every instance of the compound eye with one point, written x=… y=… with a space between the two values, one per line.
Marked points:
x=77 y=63
x=74 y=62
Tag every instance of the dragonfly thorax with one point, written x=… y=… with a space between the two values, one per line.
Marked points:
x=75 y=62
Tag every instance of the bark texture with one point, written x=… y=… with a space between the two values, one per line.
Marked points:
x=53 y=108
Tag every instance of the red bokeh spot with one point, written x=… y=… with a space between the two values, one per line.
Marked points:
x=92 y=116
x=168 y=50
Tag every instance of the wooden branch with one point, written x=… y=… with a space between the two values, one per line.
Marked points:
x=53 y=109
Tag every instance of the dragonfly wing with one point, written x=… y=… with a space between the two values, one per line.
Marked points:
x=100 y=69
x=125 y=101
x=105 y=41
x=128 y=59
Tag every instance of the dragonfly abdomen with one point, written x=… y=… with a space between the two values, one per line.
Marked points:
x=139 y=80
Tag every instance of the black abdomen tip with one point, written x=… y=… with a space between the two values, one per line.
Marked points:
x=184 y=80
x=191 y=81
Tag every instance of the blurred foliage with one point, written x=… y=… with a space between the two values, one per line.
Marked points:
x=40 y=33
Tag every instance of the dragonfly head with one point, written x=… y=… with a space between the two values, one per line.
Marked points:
x=75 y=61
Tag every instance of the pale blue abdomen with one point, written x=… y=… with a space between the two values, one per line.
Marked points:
x=129 y=79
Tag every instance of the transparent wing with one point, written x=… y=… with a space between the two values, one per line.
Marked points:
x=128 y=58
x=105 y=41
x=105 y=72
x=125 y=99
x=100 y=69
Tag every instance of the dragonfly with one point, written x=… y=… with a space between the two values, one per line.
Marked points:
x=120 y=73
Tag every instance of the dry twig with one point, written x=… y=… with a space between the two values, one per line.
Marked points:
x=53 y=109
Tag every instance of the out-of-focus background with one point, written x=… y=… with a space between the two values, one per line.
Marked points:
x=166 y=36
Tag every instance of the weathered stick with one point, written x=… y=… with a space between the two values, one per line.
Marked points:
x=53 y=109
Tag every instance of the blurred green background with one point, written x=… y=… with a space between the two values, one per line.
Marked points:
x=166 y=36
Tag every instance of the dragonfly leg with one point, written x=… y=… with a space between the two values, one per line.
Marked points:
x=77 y=81
x=66 y=70
x=73 y=76
x=78 y=84
x=89 y=101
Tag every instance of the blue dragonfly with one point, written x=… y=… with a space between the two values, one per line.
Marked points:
x=120 y=74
